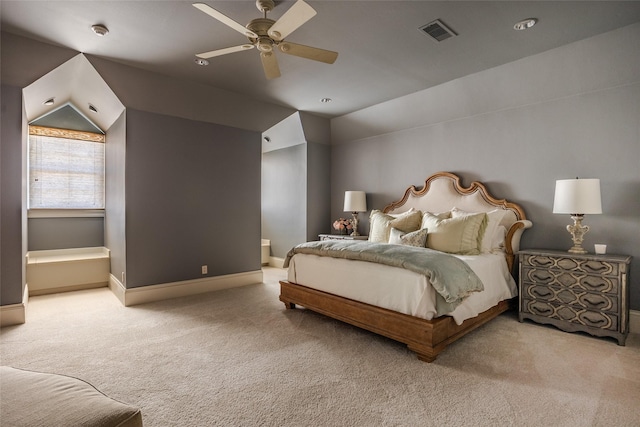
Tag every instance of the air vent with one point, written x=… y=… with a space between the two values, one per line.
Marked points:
x=437 y=30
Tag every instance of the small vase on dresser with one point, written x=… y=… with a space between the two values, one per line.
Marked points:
x=576 y=292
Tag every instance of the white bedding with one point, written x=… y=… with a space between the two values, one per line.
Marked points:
x=401 y=290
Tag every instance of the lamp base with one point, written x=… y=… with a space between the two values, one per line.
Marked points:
x=355 y=224
x=577 y=231
x=577 y=250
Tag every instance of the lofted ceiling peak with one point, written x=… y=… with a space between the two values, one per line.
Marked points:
x=76 y=83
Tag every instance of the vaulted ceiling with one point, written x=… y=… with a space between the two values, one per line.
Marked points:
x=382 y=54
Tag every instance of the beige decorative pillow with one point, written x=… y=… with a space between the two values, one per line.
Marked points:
x=380 y=224
x=441 y=215
x=415 y=238
x=460 y=235
x=494 y=218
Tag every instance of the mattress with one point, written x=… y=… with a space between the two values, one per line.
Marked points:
x=402 y=290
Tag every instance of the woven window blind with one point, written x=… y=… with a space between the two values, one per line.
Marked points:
x=65 y=173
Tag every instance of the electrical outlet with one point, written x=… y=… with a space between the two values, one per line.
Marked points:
x=205 y=269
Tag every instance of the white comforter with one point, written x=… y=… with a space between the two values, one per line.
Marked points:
x=401 y=290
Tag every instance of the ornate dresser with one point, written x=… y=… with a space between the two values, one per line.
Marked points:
x=587 y=293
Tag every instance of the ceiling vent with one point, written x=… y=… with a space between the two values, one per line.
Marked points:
x=437 y=30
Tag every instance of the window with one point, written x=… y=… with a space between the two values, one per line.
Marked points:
x=66 y=169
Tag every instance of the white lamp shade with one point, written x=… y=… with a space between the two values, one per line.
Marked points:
x=577 y=196
x=355 y=201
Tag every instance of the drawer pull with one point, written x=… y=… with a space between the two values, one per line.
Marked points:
x=541 y=294
x=596 y=321
x=596 y=285
x=542 y=310
x=542 y=277
x=542 y=262
x=596 y=303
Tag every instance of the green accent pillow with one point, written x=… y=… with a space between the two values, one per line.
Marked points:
x=380 y=224
x=461 y=235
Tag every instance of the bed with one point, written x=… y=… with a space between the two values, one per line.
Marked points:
x=408 y=305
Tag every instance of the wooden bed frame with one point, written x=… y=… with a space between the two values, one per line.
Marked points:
x=427 y=338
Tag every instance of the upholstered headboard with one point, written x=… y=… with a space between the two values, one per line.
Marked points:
x=443 y=192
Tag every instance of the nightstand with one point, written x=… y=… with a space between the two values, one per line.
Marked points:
x=341 y=237
x=587 y=293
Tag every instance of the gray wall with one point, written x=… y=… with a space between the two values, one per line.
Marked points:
x=192 y=199
x=63 y=233
x=11 y=187
x=318 y=190
x=284 y=198
x=572 y=111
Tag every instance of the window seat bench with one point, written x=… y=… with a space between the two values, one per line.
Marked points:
x=62 y=270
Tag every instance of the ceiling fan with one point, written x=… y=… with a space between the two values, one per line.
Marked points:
x=268 y=35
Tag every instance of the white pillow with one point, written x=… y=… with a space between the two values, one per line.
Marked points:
x=497 y=244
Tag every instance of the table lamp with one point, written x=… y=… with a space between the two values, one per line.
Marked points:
x=354 y=202
x=577 y=197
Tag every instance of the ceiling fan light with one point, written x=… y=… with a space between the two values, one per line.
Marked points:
x=265 y=45
x=100 y=30
x=525 y=24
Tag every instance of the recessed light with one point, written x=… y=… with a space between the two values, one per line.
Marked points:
x=200 y=61
x=326 y=100
x=100 y=30
x=525 y=24
x=92 y=108
x=49 y=101
x=267 y=139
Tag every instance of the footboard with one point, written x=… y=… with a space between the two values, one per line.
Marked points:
x=427 y=338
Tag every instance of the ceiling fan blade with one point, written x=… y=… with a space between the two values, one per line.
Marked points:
x=224 y=19
x=270 y=65
x=292 y=19
x=322 y=55
x=218 y=52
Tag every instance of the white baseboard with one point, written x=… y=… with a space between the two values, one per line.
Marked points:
x=144 y=294
x=276 y=262
x=15 y=314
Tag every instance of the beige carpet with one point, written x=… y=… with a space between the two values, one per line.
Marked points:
x=237 y=358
